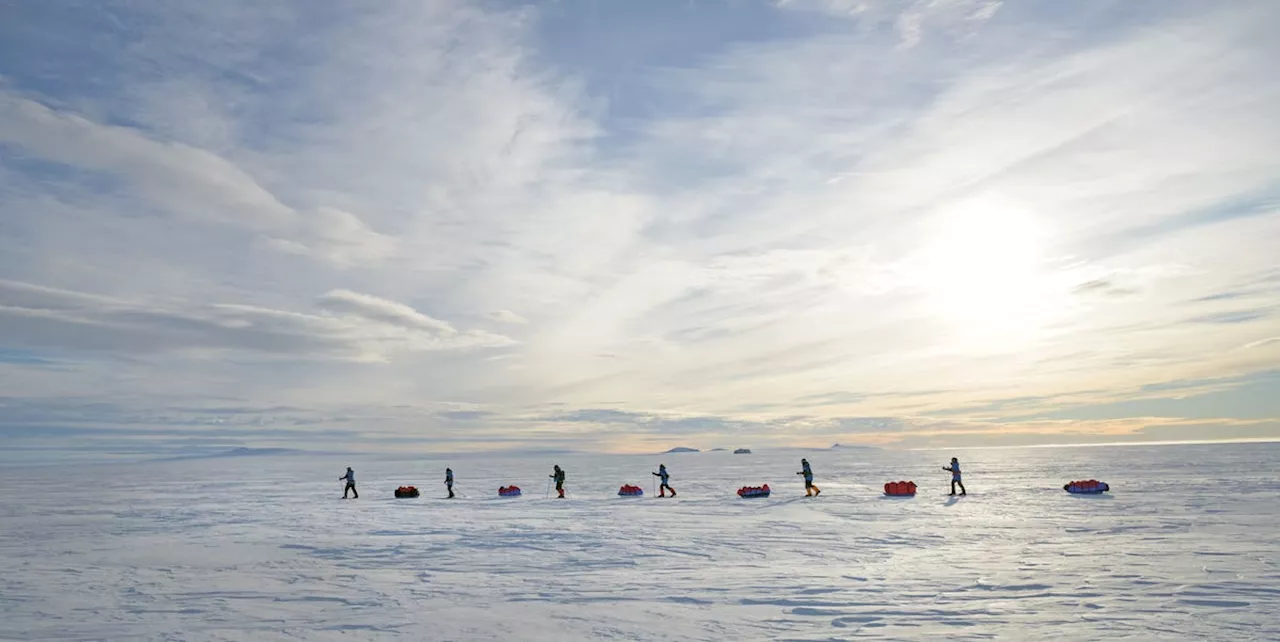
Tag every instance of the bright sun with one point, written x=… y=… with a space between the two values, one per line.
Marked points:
x=984 y=270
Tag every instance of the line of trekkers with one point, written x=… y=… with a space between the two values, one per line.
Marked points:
x=558 y=477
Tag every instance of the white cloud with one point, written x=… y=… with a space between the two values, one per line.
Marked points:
x=382 y=310
x=911 y=19
x=186 y=181
x=358 y=327
x=507 y=316
x=1262 y=342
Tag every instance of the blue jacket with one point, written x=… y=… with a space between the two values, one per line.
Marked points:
x=955 y=471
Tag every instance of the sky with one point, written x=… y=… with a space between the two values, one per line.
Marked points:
x=623 y=227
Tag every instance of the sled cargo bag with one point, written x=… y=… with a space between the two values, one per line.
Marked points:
x=900 y=489
x=1086 y=487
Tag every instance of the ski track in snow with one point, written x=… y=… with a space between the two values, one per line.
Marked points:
x=262 y=549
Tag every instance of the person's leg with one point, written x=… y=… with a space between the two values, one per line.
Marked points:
x=953 y=487
x=962 y=491
x=355 y=494
x=816 y=491
x=808 y=489
x=450 y=491
x=345 y=490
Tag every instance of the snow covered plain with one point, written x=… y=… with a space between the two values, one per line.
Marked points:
x=262 y=548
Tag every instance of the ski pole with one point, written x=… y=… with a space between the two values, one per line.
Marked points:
x=547 y=495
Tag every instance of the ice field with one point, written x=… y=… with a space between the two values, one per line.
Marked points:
x=262 y=548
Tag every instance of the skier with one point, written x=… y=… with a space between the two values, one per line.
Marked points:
x=351 y=483
x=809 y=489
x=558 y=476
x=662 y=490
x=954 y=469
x=448 y=481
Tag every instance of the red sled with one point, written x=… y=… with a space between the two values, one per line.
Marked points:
x=900 y=489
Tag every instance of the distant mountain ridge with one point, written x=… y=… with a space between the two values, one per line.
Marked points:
x=682 y=449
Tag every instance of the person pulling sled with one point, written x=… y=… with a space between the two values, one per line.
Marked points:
x=809 y=489
x=954 y=469
x=662 y=473
x=558 y=476
x=351 y=484
x=448 y=481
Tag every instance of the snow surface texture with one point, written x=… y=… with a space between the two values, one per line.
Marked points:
x=262 y=548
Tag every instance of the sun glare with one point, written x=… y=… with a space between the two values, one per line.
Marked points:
x=984 y=270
